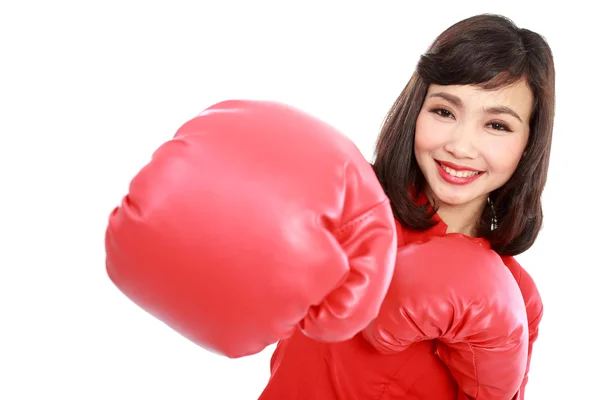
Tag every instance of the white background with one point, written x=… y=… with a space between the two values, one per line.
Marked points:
x=88 y=90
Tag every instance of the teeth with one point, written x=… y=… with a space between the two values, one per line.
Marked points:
x=459 y=174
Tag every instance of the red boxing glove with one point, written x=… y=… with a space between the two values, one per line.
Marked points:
x=454 y=290
x=255 y=219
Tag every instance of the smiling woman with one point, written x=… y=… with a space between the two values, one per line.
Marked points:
x=463 y=156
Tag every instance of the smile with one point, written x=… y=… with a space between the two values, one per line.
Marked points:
x=455 y=176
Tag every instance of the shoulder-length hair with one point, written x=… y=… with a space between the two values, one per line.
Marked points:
x=489 y=51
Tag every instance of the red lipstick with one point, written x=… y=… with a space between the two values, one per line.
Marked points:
x=456 y=180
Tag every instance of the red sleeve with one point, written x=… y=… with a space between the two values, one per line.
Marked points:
x=535 y=310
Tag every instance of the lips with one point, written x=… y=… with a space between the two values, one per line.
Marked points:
x=457 y=174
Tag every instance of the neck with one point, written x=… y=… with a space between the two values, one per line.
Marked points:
x=463 y=218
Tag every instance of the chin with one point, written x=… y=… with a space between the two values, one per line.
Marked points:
x=454 y=195
x=453 y=199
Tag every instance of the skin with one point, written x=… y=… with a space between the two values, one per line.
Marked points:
x=482 y=129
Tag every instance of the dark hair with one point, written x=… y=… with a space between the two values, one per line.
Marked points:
x=489 y=51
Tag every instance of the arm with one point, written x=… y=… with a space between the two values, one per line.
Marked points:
x=533 y=334
x=535 y=311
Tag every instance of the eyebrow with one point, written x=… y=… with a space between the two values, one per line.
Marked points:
x=492 y=110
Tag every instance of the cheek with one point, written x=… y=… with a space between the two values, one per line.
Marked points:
x=503 y=155
x=429 y=136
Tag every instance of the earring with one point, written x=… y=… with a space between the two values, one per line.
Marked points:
x=494 y=218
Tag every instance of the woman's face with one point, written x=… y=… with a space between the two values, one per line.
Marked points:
x=468 y=141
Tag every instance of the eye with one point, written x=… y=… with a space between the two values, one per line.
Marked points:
x=442 y=112
x=499 y=126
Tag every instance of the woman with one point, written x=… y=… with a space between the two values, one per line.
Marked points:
x=470 y=138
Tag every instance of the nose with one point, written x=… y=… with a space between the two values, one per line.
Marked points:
x=462 y=142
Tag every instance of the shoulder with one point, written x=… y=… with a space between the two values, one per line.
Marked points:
x=529 y=290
